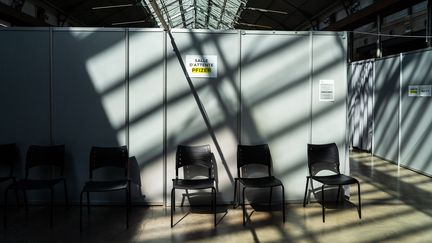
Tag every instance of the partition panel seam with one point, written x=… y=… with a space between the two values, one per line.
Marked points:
x=373 y=107
x=127 y=82
x=345 y=63
x=165 y=117
x=310 y=85
x=400 y=109
x=51 y=86
x=239 y=113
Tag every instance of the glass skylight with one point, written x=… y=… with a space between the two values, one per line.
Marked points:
x=197 y=14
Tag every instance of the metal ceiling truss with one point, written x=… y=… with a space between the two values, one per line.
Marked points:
x=197 y=14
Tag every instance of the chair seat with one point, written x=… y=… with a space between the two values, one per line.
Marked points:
x=339 y=179
x=260 y=182
x=32 y=184
x=100 y=186
x=193 y=184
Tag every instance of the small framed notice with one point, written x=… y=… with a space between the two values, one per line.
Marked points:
x=326 y=91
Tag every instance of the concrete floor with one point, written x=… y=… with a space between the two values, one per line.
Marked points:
x=396 y=207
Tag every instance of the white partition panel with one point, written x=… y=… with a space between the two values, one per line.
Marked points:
x=354 y=70
x=24 y=90
x=416 y=125
x=88 y=99
x=275 y=101
x=329 y=96
x=219 y=96
x=146 y=107
x=329 y=118
x=386 y=108
x=360 y=104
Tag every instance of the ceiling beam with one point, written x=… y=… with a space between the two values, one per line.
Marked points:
x=159 y=15
x=182 y=12
x=305 y=15
x=18 y=18
x=209 y=6
x=368 y=14
x=222 y=13
x=50 y=4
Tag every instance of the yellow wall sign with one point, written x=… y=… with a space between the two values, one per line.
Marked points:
x=201 y=70
x=201 y=66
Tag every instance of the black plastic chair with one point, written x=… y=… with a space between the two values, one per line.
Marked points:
x=104 y=157
x=194 y=156
x=325 y=157
x=41 y=156
x=256 y=155
x=8 y=158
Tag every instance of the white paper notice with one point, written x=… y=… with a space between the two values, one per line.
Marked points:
x=326 y=90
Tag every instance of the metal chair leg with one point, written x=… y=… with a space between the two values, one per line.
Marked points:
x=235 y=193
x=307 y=184
x=243 y=206
x=81 y=204
x=270 y=198
x=359 y=200
x=26 y=204
x=322 y=203
x=5 y=209
x=338 y=194
x=127 y=208
x=172 y=205
x=88 y=203
x=283 y=203
x=214 y=204
x=66 y=194
x=16 y=192
x=51 y=207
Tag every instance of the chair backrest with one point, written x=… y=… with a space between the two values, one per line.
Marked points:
x=45 y=156
x=101 y=157
x=194 y=156
x=253 y=154
x=323 y=157
x=9 y=156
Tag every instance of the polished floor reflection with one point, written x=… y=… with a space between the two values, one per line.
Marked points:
x=396 y=208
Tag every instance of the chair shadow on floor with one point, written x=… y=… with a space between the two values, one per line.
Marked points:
x=258 y=203
x=331 y=201
x=200 y=203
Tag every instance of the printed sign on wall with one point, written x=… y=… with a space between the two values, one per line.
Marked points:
x=326 y=90
x=201 y=66
x=420 y=90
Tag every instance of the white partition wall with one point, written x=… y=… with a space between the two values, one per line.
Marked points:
x=401 y=120
x=416 y=111
x=361 y=104
x=329 y=117
x=146 y=112
x=219 y=96
x=275 y=101
x=25 y=90
x=89 y=98
x=86 y=87
x=386 y=108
